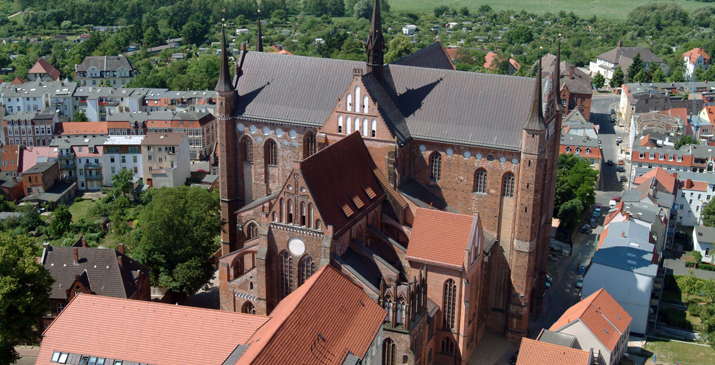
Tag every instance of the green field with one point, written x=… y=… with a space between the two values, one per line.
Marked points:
x=674 y=352
x=604 y=9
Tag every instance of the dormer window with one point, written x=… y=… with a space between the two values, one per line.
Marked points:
x=568 y=148
x=588 y=151
x=578 y=149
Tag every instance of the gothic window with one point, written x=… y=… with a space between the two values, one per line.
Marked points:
x=281 y=208
x=447 y=346
x=388 y=352
x=317 y=224
x=388 y=308
x=357 y=101
x=307 y=268
x=251 y=231
x=364 y=104
x=308 y=145
x=373 y=129
x=302 y=214
x=248 y=150
x=508 y=185
x=289 y=211
x=348 y=126
x=271 y=153
x=401 y=311
x=340 y=124
x=480 y=181
x=349 y=105
x=435 y=166
x=448 y=304
x=310 y=215
x=364 y=127
x=248 y=308
x=285 y=274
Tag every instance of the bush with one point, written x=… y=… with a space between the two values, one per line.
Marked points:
x=704 y=266
x=697 y=256
x=690 y=264
x=78 y=199
x=675 y=318
x=695 y=309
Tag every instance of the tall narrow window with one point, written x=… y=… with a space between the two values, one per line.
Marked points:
x=388 y=352
x=357 y=101
x=435 y=166
x=251 y=231
x=447 y=346
x=388 y=308
x=310 y=215
x=285 y=274
x=480 y=181
x=449 y=303
x=271 y=153
x=364 y=104
x=401 y=311
x=340 y=124
x=248 y=308
x=247 y=150
x=508 y=185
x=373 y=129
x=348 y=126
x=302 y=214
x=364 y=127
x=289 y=211
x=281 y=208
x=308 y=145
x=307 y=268
x=349 y=104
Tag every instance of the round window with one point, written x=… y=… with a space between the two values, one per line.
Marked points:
x=252 y=129
x=490 y=158
x=279 y=132
x=293 y=134
x=296 y=246
x=266 y=130
x=240 y=127
x=450 y=152
x=423 y=148
x=467 y=154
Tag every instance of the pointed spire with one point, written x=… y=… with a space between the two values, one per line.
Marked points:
x=259 y=40
x=557 y=75
x=536 y=119
x=541 y=103
x=375 y=43
x=224 y=77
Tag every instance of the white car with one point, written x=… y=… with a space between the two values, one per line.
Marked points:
x=579 y=283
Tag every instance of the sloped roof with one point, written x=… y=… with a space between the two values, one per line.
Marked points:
x=136 y=331
x=440 y=237
x=337 y=175
x=43 y=67
x=623 y=56
x=438 y=105
x=105 y=63
x=601 y=314
x=532 y=352
x=695 y=53
x=40 y=167
x=433 y=56
x=163 y=139
x=577 y=82
x=665 y=179
x=106 y=277
x=73 y=128
x=34 y=154
x=328 y=311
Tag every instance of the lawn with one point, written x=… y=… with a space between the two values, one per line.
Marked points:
x=605 y=9
x=677 y=352
x=81 y=210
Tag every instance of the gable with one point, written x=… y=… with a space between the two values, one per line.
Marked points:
x=295 y=204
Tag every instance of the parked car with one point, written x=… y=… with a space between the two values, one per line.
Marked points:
x=619 y=139
x=586 y=229
x=621 y=169
x=620 y=162
x=597 y=212
x=610 y=162
x=613 y=111
x=598 y=205
x=624 y=178
x=548 y=279
x=593 y=223
x=612 y=204
x=617 y=199
x=579 y=283
x=547 y=284
x=582 y=270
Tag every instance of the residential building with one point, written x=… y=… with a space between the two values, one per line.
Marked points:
x=119 y=152
x=165 y=159
x=703 y=241
x=89 y=167
x=409 y=29
x=625 y=264
x=11 y=187
x=703 y=130
x=34 y=155
x=34 y=128
x=607 y=63
x=40 y=177
x=43 y=71
x=11 y=156
x=576 y=91
x=329 y=320
x=491 y=62
x=696 y=57
x=695 y=191
x=584 y=147
x=40 y=95
x=100 y=271
x=644 y=98
x=575 y=123
x=67 y=153
x=600 y=325
x=533 y=352
x=99 y=129
x=657 y=124
x=99 y=103
x=105 y=70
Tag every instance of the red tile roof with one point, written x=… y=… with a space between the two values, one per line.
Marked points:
x=17 y=81
x=31 y=154
x=681 y=113
x=594 y=152
x=451 y=232
x=694 y=53
x=601 y=314
x=73 y=128
x=146 y=332
x=488 y=59
x=694 y=185
x=329 y=312
x=43 y=67
x=534 y=352
x=667 y=180
x=613 y=214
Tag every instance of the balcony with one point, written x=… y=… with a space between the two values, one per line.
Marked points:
x=67 y=166
x=66 y=177
x=68 y=156
x=93 y=177
x=93 y=166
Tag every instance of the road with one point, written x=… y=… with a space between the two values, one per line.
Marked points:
x=563 y=293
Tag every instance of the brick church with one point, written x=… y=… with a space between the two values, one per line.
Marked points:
x=430 y=188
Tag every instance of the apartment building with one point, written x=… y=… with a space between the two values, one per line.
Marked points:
x=121 y=152
x=80 y=160
x=166 y=159
x=30 y=128
x=105 y=70
x=40 y=95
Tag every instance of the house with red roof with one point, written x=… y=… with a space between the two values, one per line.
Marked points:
x=43 y=71
x=696 y=57
x=492 y=61
x=533 y=352
x=600 y=326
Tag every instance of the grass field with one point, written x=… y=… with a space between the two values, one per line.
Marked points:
x=603 y=9
x=672 y=353
x=81 y=209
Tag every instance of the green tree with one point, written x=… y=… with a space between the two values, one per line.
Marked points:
x=30 y=218
x=6 y=206
x=599 y=81
x=708 y=214
x=571 y=212
x=618 y=77
x=336 y=7
x=122 y=183
x=61 y=221
x=464 y=11
x=24 y=295
x=658 y=75
x=194 y=33
x=688 y=284
x=399 y=47
x=640 y=77
x=79 y=116
x=575 y=180
x=677 y=75
x=685 y=141
x=699 y=74
x=440 y=10
x=635 y=67
x=152 y=37
x=178 y=230
x=485 y=9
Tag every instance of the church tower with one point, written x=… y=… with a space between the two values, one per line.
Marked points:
x=226 y=98
x=376 y=43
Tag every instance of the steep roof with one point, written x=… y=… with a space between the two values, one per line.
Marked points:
x=601 y=314
x=436 y=104
x=533 y=352
x=450 y=232
x=433 y=56
x=163 y=139
x=328 y=311
x=43 y=67
x=136 y=331
x=338 y=175
x=576 y=81
x=665 y=179
x=105 y=63
x=623 y=56
x=106 y=277
x=696 y=53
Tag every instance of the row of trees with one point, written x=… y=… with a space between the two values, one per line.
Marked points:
x=575 y=189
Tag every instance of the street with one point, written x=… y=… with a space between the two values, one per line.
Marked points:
x=563 y=292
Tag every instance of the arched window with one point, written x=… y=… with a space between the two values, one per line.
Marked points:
x=388 y=307
x=348 y=126
x=364 y=104
x=248 y=308
x=349 y=104
x=357 y=100
x=364 y=127
x=447 y=346
x=247 y=149
x=340 y=124
x=448 y=304
x=373 y=129
x=508 y=185
x=401 y=311
x=307 y=268
x=275 y=217
x=317 y=224
x=388 y=352
x=289 y=211
x=302 y=214
x=480 y=181
x=251 y=231
x=271 y=153
x=285 y=274
x=281 y=208
x=435 y=166
x=310 y=215
x=308 y=145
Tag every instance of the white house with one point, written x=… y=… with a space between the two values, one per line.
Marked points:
x=122 y=152
x=696 y=57
x=409 y=29
x=608 y=62
x=703 y=240
x=166 y=159
x=625 y=264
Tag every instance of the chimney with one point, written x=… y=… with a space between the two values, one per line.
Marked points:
x=84 y=242
x=620 y=43
x=571 y=70
x=120 y=247
x=76 y=256
x=675 y=175
x=120 y=257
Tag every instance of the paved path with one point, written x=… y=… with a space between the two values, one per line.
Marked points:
x=16 y=14
x=678 y=268
x=492 y=349
x=28 y=354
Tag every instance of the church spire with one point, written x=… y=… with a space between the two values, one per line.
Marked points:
x=259 y=41
x=375 y=43
x=224 y=76
x=557 y=75
x=536 y=119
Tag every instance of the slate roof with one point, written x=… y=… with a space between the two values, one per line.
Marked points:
x=533 y=352
x=137 y=331
x=40 y=167
x=328 y=311
x=450 y=232
x=579 y=84
x=163 y=139
x=436 y=104
x=627 y=247
x=433 y=56
x=106 y=277
x=623 y=56
x=105 y=63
